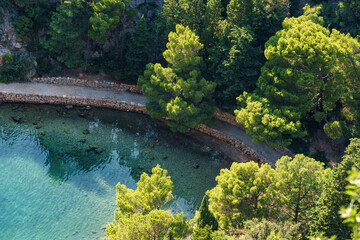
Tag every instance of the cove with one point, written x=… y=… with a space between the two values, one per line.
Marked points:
x=59 y=168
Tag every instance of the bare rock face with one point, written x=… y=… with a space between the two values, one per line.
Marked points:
x=8 y=38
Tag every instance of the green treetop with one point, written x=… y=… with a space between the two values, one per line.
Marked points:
x=178 y=91
x=324 y=218
x=242 y=192
x=139 y=215
x=185 y=12
x=308 y=69
x=205 y=217
x=67 y=26
x=299 y=182
x=106 y=16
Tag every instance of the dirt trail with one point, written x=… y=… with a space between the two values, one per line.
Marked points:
x=122 y=96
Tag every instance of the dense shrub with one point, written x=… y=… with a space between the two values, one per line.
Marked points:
x=23 y=26
x=335 y=129
x=263 y=230
x=15 y=68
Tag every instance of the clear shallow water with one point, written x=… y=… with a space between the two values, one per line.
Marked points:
x=59 y=168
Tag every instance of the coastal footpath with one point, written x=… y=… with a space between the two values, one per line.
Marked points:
x=226 y=134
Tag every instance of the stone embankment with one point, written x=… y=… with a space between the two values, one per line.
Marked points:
x=123 y=97
x=79 y=101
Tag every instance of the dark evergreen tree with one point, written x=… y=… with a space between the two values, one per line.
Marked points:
x=15 y=68
x=234 y=64
x=211 y=30
x=205 y=216
x=325 y=218
x=185 y=12
x=137 y=54
x=68 y=25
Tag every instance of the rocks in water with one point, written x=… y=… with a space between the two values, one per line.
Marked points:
x=67 y=131
x=165 y=157
x=38 y=126
x=82 y=140
x=17 y=119
x=82 y=115
x=69 y=106
x=95 y=149
x=86 y=132
x=196 y=166
x=103 y=227
x=86 y=108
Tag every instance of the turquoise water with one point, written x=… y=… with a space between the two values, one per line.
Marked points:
x=59 y=168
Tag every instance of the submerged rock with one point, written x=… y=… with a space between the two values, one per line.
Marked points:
x=86 y=131
x=69 y=106
x=196 y=166
x=95 y=149
x=16 y=119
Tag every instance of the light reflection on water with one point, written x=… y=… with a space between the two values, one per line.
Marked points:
x=59 y=168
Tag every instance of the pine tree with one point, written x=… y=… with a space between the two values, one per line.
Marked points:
x=324 y=218
x=137 y=54
x=211 y=30
x=67 y=26
x=230 y=67
x=179 y=92
x=106 y=16
x=205 y=216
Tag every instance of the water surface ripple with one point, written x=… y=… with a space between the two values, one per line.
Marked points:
x=59 y=168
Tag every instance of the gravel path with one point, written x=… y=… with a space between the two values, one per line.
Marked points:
x=102 y=93
x=73 y=91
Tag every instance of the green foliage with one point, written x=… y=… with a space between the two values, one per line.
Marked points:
x=263 y=16
x=152 y=192
x=179 y=92
x=268 y=230
x=137 y=54
x=23 y=26
x=106 y=16
x=319 y=116
x=266 y=123
x=344 y=16
x=68 y=25
x=139 y=215
x=324 y=218
x=205 y=217
x=211 y=29
x=309 y=68
x=153 y=225
x=351 y=212
x=203 y=233
x=230 y=67
x=335 y=129
x=241 y=193
x=7 y=58
x=15 y=68
x=299 y=182
x=184 y=12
